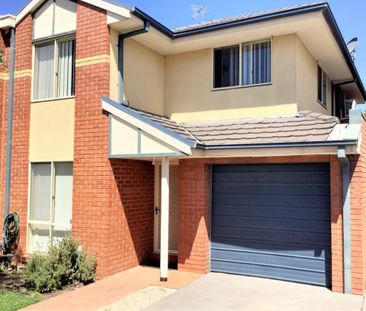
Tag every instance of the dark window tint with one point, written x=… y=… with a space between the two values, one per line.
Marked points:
x=226 y=71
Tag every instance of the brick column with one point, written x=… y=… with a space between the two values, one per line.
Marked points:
x=92 y=174
x=336 y=223
x=193 y=234
x=358 y=216
x=21 y=123
x=113 y=201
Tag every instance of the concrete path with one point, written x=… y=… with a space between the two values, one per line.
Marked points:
x=112 y=289
x=216 y=291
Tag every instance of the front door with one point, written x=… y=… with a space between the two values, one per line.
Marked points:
x=173 y=209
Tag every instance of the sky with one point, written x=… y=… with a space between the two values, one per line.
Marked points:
x=350 y=15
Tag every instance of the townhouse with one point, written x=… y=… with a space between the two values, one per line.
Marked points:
x=231 y=146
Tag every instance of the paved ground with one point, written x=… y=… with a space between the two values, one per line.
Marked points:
x=113 y=289
x=216 y=291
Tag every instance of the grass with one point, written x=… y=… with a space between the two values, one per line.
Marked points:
x=11 y=301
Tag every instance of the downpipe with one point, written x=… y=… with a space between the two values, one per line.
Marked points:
x=9 y=142
x=347 y=260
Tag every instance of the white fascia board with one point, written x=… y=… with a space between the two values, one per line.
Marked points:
x=30 y=7
x=109 y=7
x=146 y=127
x=7 y=21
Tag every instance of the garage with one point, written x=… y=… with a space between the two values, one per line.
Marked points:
x=272 y=221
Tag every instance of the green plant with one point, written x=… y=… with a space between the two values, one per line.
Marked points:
x=63 y=264
x=11 y=301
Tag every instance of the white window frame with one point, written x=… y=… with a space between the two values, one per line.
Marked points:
x=56 y=42
x=213 y=88
x=324 y=96
x=49 y=223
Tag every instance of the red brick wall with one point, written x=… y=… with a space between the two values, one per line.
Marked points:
x=21 y=123
x=193 y=243
x=133 y=213
x=193 y=231
x=358 y=216
x=336 y=225
x=112 y=204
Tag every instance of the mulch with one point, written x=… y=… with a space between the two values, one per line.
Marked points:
x=14 y=281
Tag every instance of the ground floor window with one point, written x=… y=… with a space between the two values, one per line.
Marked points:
x=50 y=207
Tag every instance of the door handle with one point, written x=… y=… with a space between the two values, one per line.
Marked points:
x=157 y=210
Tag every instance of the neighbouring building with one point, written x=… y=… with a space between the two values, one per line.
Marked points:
x=234 y=145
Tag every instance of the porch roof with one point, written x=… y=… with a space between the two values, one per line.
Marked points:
x=305 y=128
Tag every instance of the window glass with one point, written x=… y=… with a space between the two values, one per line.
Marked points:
x=44 y=71
x=324 y=92
x=226 y=66
x=40 y=192
x=256 y=63
x=63 y=193
x=50 y=204
x=66 y=69
x=322 y=87
x=54 y=70
x=39 y=237
x=319 y=84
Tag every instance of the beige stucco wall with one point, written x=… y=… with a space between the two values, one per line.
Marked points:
x=180 y=85
x=54 y=17
x=52 y=131
x=189 y=95
x=307 y=82
x=113 y=81
x=144 y=77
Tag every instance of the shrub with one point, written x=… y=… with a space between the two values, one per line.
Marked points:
x=63 y=264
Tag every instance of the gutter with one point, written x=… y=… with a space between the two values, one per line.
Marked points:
x=347 y=260
x=329 y=17
x=10 y=123
x=281 y=145
x=121 y=39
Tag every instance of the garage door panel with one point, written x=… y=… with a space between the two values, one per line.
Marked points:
x=277 y=212
x=272 y=221
x=309 y=277
x=272 y=247
x=234 y=188
x=264 y=234
x=300 y=225
x=289 y=200
x=268 y=258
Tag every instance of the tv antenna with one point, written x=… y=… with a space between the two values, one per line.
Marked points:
x=199 y=11
x=352 y=46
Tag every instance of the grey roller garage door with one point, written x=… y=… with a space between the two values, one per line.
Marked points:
x=272 y=221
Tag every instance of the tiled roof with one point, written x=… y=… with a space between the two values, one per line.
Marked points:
x=167 y=123
x=306 y=126
x=241 y=17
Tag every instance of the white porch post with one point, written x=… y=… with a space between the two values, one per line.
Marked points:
x=164 y=220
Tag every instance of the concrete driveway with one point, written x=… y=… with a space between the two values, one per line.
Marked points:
x=217 y=291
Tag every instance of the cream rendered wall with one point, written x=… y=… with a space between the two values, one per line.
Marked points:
x=52 y=131
x=113 y=86
x=54 y=17
x=189 y=95
x=307 y=82
x=144 y=77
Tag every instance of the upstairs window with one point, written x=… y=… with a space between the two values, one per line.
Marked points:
x=227 y=66
x=322 y=87
x=54 y=68
x=243 y=65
